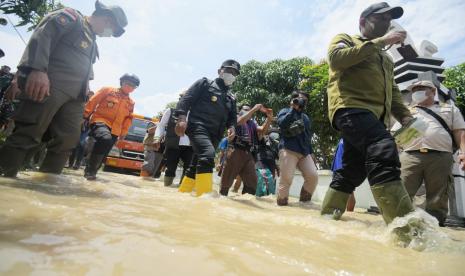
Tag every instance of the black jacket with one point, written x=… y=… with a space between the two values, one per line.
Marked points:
x=210 y=105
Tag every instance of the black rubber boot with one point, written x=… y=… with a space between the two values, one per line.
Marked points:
x=11 y=159
x=93 y=164
x=54 y=162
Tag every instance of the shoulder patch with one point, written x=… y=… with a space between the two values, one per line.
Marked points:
x=66 y=16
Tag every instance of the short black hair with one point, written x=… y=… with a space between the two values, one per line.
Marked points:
x=296 y=93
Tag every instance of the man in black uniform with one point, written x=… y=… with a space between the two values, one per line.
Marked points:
x=212 y=109
x=53 y=77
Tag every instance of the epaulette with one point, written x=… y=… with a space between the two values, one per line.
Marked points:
x=67 y=16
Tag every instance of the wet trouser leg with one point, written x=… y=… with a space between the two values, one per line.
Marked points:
x=104 y=141
x=186 y=157
x=60 y=114
x=369 y=148
x=239 y=162
x=172 y=159
x=203 y=145
x=369 y=151
x=433 y=168
x=149 y=162
x=289 y=161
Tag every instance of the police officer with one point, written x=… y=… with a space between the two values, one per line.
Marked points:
x=212 y=109
x=109 y=113
x=53 y=79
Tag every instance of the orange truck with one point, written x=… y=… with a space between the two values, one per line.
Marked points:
x=128 y=154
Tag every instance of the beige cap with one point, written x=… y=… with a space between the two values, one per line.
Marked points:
x=421 y=83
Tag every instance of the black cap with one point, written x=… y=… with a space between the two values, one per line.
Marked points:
x=2 y=54
x=231 y=63
x=117 y=13
x=383 y=7
x=130 y=77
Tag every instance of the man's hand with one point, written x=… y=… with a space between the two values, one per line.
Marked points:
x=12 y=91
x=406 y=120
x=180 y=128
x=37 y=86
x=231 y=133
x=461 y=159
x=257 y=107
x=394 y=37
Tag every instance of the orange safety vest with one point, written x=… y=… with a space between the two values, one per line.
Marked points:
x=111 y=107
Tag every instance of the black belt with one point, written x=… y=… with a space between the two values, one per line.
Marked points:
x=425 y=150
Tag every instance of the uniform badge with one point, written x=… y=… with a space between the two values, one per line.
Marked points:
x=84 y=44
x=110 y=104
x=214 y=98
x=63 y=20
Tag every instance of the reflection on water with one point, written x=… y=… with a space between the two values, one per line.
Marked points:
x=122 y=225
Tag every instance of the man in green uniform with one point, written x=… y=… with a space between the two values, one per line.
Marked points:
x=52 y=82
x=362 y=97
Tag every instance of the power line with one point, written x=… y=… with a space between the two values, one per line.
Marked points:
x=14 y=27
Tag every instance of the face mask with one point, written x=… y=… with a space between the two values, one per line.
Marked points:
x=127 y=88
x=419 y=96
x=107 y=32
x=228 y=78
x=378 y=29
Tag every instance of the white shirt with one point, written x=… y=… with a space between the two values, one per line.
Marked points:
x=160 y=131
x=436 y=137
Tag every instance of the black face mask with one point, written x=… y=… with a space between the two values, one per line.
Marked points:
x=376 y=29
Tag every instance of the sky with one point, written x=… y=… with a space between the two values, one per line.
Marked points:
x=170 y=44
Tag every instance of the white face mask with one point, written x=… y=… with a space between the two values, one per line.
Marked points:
x=107 y=32
x=419 y=96
x=228 y=78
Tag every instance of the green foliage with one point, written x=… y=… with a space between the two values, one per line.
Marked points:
x=269 y=83
x=171 y=105
x=455 y=79
x=30 y=12
x=325 y=138
x=272 y=83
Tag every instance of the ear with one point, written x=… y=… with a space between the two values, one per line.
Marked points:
x=219 y=71
x=361 y=21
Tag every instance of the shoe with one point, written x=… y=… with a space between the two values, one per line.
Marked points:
x=203 y=183
x=187 y=185
x=304 y=195
x=282 y=201
x=168 y=180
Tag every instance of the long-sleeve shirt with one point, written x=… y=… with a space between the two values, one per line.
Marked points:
x=300 y=143
x=361 y=76
x=111 y=107
x=161 y=129
x=211 y=106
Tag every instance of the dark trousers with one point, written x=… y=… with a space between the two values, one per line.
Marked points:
x=369 y=151
x=239 y=162
x=104 y=140
x=173 y=155
x=77 y=154
x=203 y=145
x=60 y=115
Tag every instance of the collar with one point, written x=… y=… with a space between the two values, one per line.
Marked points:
x=88 y=28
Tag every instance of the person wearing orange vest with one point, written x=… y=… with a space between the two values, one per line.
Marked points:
x=109 y=113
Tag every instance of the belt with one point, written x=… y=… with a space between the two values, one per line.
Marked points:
x=425 y=150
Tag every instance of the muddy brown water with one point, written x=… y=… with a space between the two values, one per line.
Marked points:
x=122 y=225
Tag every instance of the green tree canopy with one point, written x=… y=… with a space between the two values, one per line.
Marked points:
x=455 y=79
x=325 y=138
x=29 y=12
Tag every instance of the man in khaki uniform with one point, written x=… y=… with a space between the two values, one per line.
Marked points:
x=52 y=81
x=429 y=157
x=362 y=95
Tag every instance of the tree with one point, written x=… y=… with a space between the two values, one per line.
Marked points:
x=269 y=83
x=29 y=11
x=325 y=138
x=171 y=105
x=455 y=79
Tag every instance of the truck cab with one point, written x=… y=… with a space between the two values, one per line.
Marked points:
x=128 y=153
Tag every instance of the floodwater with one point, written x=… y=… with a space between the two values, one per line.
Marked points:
x=121 y=225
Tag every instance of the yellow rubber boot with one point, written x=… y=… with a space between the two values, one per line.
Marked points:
x=187 y=185
x=203 y=183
